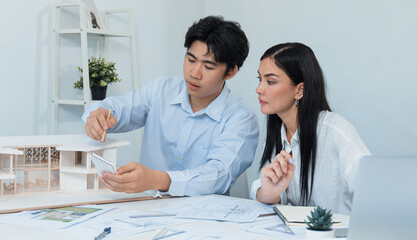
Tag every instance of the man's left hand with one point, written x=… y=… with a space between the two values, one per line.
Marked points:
x=134 y=178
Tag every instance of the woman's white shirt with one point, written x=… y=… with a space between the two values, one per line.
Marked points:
x=339 y=149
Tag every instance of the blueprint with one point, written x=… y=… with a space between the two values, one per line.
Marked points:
x=187 y=232
x=55 y=218
x=223 y=209
x=121 y=225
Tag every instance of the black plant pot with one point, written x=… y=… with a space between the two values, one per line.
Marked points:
x=98 y=93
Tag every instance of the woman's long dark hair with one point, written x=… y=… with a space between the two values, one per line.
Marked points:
x=300 y=64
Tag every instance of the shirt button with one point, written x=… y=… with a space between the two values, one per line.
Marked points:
x=178 y=158
x=183 y=137
x=176 y=193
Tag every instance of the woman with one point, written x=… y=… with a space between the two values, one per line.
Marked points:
x=318 y=150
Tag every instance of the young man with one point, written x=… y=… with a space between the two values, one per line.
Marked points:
x=198 y=138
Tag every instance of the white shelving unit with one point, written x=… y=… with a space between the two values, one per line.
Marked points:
x=85 y=32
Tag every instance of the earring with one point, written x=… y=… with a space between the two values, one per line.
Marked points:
x=296 y=102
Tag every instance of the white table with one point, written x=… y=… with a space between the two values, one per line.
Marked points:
x=18 y=232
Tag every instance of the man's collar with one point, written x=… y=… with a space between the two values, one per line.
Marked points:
x=182 y=97
x=214 y=110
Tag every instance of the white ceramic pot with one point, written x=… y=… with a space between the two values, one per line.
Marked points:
x=313 y=234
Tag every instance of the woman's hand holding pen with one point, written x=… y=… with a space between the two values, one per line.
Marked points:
x=275 y=178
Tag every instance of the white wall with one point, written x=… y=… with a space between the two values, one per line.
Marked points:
x=26 y=61
x=24 y=67
x=367 y=50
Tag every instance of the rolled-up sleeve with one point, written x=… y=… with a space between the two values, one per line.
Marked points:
x=130 y=109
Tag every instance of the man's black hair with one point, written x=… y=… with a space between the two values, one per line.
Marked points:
x=224 y=38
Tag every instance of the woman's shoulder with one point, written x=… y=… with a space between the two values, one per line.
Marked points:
x=334 y=122
x=341 y=132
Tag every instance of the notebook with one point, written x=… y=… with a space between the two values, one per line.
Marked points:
x=385 y=201
x=102 y=165
x=295 y=215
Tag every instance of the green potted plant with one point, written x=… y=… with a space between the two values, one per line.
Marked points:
x=319 y=224
x=101 y=74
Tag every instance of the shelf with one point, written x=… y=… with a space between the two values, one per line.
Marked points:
x=93 y=31
x=85 y=32
x=74 y=4
x=70 y=102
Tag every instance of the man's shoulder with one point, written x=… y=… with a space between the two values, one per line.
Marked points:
x=235 y=105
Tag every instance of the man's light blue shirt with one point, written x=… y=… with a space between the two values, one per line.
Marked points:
x=202 y=152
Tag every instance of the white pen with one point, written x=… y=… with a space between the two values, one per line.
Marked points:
x=290 y=160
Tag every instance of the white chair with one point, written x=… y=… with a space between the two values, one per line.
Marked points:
x=240 y=187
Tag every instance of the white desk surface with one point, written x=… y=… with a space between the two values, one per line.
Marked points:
x=18 y=232
x=60 y=198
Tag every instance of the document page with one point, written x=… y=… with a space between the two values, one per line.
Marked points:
x=223 y=208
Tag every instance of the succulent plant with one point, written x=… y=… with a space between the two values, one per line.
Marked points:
x=320 y=219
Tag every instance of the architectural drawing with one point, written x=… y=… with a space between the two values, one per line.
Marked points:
x=66 y=215
x=187 y=232
x=223 y=209
x=58 y=218
x=122 y=225
x=55 y=162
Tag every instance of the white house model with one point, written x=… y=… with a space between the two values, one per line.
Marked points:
x=55 y=162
